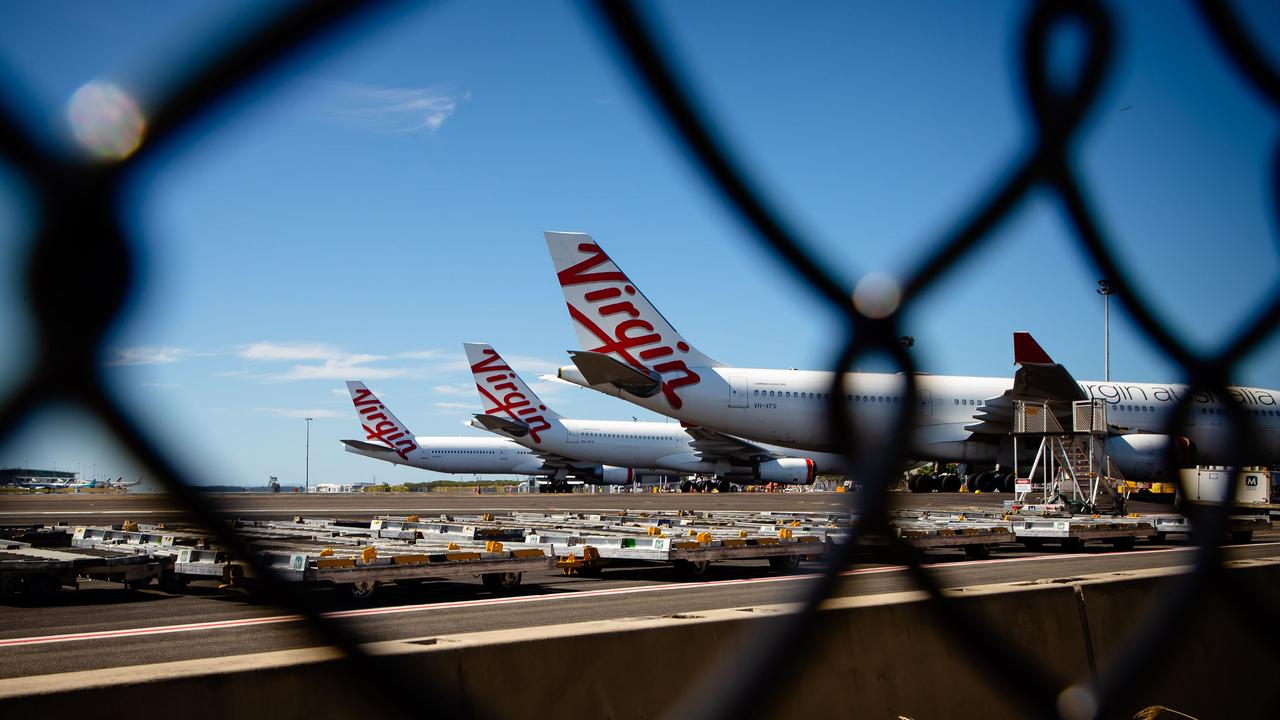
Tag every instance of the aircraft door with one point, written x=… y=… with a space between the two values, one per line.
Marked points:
x=926 y=403
x=738 y=391
x=570 y=435
x=502 y=452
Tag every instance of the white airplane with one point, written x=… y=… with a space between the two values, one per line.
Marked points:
x=58 y=484
x=389 y=440
x=513 y=409
x=631 y=351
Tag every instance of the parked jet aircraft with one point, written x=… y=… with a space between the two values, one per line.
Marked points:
x=389 y=440
x=513 y=409
x=631 y=351
x=58 y=484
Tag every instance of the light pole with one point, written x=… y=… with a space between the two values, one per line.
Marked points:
x=307 y=487
x=1105 y=290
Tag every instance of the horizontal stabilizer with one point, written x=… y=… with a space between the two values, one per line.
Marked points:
x=368 y=447
x=600 y=369
x=506 y=426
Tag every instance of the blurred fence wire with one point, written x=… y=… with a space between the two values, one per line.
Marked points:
x=81 y=240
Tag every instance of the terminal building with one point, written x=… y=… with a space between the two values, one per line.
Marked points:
x=20 y=476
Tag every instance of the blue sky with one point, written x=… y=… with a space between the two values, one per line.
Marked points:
x=368 y=212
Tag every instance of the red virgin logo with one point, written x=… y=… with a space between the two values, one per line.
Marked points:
x=633 y=339
x=377 y=426
x=506 y=396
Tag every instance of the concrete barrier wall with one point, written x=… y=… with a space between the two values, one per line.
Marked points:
x=1220 y=660
x=881 y=656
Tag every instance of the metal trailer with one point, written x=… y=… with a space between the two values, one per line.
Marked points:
x=588 y=554
x=1240 y=527
x=975 y=537
x=34 y=575
x=1074 y=531
x=350 y=556
x=499 y=569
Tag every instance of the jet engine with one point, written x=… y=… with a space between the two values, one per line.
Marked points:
x=791 y=471
x=1140 y=457
x=607 y=475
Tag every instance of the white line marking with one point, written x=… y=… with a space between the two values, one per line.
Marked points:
x=424 y=607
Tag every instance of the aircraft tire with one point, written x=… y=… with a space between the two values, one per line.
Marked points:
x=927 y=483
x=686 y=486
x=949 y=483
x=986 y=481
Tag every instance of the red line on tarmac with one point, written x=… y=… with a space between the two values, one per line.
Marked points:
x=423 y=607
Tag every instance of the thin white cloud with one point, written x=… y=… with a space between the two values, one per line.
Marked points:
x=299 y=413
x=395 y=109
x=289 y=351
x=147 y=355
x=333 y=363
x=338 y=370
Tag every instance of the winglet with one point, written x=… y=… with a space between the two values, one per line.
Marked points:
x=1027 y=350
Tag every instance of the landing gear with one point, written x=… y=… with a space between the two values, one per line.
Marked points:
x=686 y=486
x=949 y=482
x=923 y=483
x=991 y=481
x=724 y=486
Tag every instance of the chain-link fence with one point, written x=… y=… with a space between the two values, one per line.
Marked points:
x=80 y=240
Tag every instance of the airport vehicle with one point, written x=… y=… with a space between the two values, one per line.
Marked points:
x=390 y=440
x=628 y=349
x=511 y=408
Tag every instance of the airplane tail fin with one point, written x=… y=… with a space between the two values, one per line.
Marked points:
x=612 y=317
x=379 y=424
x=502 y=391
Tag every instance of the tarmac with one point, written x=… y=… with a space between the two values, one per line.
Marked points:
x=105 y=625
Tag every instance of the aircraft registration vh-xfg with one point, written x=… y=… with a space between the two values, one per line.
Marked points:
x=628 y=349
x=511 y=408
x=389 y=440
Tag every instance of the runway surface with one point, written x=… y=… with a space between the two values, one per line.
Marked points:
x=105 y=625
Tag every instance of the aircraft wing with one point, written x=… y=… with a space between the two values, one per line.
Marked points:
x=1038 y=379
x=713 y=445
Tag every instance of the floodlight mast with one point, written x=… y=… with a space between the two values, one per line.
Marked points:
x=1105 y=290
